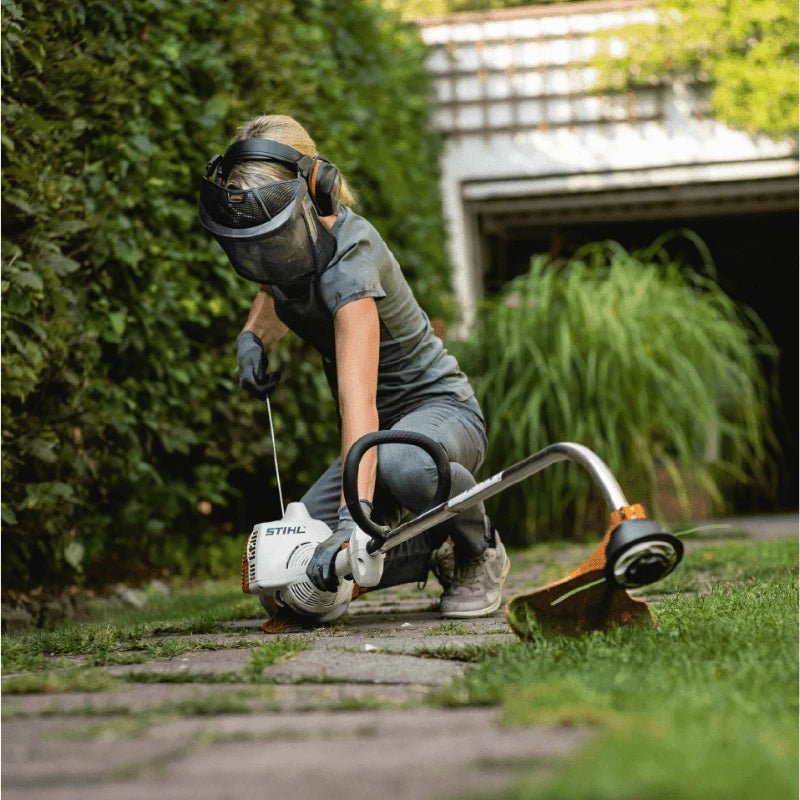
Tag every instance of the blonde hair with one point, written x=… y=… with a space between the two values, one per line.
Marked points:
x=285 y=130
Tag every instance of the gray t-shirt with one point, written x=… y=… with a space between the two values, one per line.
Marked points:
x=413 y=365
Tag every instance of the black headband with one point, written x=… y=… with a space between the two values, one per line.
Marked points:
x=259 y=150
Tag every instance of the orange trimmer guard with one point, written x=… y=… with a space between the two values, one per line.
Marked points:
x=555 y=609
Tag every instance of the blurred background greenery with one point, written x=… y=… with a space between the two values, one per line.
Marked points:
x=641 y=358
x=128 y=447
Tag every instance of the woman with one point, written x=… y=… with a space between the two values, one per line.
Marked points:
x=334 y=282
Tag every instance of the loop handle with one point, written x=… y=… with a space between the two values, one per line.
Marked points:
x=353 y=461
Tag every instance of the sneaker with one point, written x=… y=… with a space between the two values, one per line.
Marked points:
x=477 y=586
x=443 y=564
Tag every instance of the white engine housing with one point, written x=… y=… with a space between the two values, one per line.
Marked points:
x=274 y=564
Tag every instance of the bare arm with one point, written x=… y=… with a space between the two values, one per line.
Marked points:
x=263 y=320
x=357 y=333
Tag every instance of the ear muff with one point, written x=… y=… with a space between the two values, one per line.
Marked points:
x=321 y=176
x=324 y=186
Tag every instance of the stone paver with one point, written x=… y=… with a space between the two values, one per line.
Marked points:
x=204 y=662
x=415 y=645
x=155 y=699
x=328 y=664
x=404 y=755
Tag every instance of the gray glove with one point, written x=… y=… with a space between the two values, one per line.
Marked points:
x=253 y=365
x=320 y=569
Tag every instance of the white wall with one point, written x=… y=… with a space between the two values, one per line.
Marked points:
x=514 y=105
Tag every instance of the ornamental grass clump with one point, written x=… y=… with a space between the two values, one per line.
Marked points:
x=644 y=360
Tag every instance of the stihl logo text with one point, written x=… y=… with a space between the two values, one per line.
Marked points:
x=284 y=531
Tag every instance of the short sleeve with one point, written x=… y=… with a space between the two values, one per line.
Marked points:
x=355 y=271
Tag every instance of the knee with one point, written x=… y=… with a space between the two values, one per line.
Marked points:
x=411 y=477
x=407 y=472
x=461 y=478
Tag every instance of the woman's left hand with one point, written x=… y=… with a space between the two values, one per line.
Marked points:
x=253 y=365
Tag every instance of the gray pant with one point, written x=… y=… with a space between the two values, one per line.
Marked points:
x=406 y=481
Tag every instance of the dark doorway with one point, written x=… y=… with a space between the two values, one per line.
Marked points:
x=757 y=261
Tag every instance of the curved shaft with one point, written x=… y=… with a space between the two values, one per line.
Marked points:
x=561 y=451
x=589 y=460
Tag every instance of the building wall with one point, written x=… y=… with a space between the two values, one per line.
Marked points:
x=528 y=141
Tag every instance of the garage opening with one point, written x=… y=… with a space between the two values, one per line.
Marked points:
x=754 y=247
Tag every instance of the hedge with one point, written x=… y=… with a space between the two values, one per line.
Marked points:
x=127 y=444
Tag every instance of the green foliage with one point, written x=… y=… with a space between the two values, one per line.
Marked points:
x=646 y=362
x=747 y=50
x=106 y=383
x=127 y=445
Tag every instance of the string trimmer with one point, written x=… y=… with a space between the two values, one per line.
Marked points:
x=635 y=551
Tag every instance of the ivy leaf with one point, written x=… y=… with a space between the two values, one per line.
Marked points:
x=44 y=450
x=62 y=265
x=7 y=515
x=29 y=280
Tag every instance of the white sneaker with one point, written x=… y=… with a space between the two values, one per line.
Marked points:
x=443 y=563
x=477 y=586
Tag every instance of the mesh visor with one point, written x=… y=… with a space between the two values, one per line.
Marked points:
x=271 y=233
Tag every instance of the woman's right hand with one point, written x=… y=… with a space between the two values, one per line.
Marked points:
x=321 y=569
x=253 y=377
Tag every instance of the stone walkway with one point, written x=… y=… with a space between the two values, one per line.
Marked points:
x=346 y=717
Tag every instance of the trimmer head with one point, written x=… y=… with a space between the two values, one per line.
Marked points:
x=640 y=552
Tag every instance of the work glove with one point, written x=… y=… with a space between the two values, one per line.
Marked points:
x=253 y=366
x=320 y=569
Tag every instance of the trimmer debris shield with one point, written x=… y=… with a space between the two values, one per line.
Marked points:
x=586 y=599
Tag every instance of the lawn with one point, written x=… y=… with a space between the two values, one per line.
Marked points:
x=704 y=706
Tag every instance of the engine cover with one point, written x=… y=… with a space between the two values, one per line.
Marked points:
x=275 y=559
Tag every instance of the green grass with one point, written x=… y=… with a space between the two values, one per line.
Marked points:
x=471 y=653
x=704 y=566
x=705 y=706
x=132 y=636
x=146 y=676
x=271 y=651
x=450 y=629
x=76 y=679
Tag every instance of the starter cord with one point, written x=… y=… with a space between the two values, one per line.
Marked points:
x=275 y=455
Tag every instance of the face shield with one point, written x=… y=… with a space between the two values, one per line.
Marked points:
x=271 y=234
